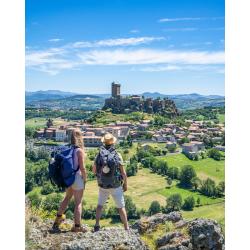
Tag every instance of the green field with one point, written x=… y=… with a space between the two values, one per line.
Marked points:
x=204 y=168
x=41 y=122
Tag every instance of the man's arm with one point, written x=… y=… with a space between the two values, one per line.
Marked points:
x=94 y=168
x=125 y=179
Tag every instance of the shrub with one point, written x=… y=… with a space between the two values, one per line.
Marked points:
x=189 y=203
x=215 y=154
x=154 y=208
x=130 y=208
x=52 y=201
x=47 y=188
x=35 y=198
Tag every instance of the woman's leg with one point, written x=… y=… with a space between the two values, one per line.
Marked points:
x=78 y=194
x=66 y=200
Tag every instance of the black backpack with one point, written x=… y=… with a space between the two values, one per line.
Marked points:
x=108 y=168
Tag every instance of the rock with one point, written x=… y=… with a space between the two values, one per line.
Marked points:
x=206 y=234
x=174 y=241
x=181 y=224
x=150 y=223
x=107 y=239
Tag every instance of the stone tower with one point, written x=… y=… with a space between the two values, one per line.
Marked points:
x=116 y=90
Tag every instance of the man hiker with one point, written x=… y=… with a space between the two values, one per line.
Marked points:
x=111 y=178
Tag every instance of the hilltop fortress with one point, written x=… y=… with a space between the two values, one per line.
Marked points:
x=119 y=104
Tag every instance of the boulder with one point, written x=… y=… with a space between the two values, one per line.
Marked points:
x=150 y=223
x=206 y=234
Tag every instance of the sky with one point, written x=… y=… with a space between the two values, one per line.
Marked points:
x=166 y=46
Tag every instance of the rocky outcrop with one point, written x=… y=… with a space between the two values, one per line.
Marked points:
x=108 y=239
x=198 y=234
x=148 y=224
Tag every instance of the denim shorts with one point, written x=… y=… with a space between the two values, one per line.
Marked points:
x=116 y=193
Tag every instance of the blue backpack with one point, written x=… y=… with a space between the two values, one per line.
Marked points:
x=61 y=170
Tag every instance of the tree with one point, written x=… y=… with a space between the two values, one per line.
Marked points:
x=174 y=202
x=208 y=187
x=169 y=181
x=29 y=131
x=189 y=203
x=215 y=154
x=186 y=175
x=198 y=201
x=154 y=208
x=195 y=182
x=220 y=189
x=173 y=172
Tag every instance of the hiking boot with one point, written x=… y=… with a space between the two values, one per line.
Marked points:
x=96 y=228
x=58 y=221
x=78 y=229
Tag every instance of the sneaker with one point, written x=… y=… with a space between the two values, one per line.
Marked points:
x=78 y=229
x=96 y=228
x=58 y=221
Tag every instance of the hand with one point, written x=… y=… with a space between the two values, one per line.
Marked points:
x=125 y=187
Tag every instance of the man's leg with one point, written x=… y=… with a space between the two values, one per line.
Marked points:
x=124 y=219
x=102 y=198
x=98 y=215
x=117 y=194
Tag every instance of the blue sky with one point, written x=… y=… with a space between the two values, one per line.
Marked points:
x=168 y=46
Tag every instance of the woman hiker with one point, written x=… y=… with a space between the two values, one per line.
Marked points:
x=77 y=188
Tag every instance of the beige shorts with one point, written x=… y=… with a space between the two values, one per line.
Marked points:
x=79 y=182
x=116 y=193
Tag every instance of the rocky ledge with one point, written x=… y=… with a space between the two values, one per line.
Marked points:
x=198 y=234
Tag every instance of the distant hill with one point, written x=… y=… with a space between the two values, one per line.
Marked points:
x=190 y=101
x=45 y=95
x=64 y=100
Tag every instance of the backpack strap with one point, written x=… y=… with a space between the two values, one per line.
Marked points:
x=73 y=156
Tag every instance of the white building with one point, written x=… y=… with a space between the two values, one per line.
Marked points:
x=60 y=135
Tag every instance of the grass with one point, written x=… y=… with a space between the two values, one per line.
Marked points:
x=205 y=168
x=41 y=122
x=185 y=193
x=214 y=211
x=143 y=188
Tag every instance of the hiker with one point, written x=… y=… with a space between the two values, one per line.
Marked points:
x=111 y=178
x=77 y=188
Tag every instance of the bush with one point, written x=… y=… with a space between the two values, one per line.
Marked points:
x=215 y=154
x=174 y=202
x=52 y=201
x=130 y=208
x=154 y=208
x=35 y=198
x=186 y=175
x=47 y=188
x=189 y=203
x=132 y=169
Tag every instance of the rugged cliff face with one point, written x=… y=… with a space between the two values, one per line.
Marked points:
x=198 y=234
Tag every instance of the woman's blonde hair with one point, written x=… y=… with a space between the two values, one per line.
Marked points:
x=77 y=138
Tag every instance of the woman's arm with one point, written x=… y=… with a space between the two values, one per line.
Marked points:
x=81 y=162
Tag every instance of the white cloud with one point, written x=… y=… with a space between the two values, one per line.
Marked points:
x=132 y=41
x=147 y=56
x=55 y=40
x=162 y=20
x=181 y=29
x=191 y=67
x=134 y=31
x=179 y=19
